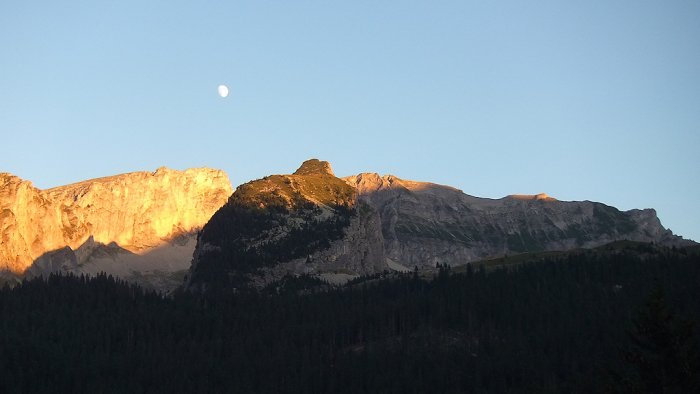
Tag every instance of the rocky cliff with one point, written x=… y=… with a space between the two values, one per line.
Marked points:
x=425 y=223
x=309 y=222
x=123 y=224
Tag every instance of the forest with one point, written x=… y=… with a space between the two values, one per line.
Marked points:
x=623 y=321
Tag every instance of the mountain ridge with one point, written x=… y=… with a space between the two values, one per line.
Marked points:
x=424 y=224
x=308 y=222
x=418 y=224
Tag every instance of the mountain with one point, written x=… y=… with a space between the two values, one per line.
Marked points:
x=309 y=222
x=139 y=226
x=424 y=223
x=313 y=223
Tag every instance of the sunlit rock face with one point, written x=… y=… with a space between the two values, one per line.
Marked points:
x=309 y=222
x=424 y=223
x=142 y=214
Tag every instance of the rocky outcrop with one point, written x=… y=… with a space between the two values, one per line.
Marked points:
x=309 y=222
x=142 y=219
x=424 y=223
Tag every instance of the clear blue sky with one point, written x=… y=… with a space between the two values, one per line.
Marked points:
x=584 y=100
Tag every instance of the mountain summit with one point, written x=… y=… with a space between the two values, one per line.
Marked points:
x=315 y=167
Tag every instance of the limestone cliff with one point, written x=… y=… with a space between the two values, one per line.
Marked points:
x=309 y=222
x=425 y=223
x=144 y=215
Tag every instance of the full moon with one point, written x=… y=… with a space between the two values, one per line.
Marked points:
x=223 y=90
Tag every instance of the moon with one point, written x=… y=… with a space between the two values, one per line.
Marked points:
x=223 y=91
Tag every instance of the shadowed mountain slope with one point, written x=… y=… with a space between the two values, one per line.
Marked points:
x=424 y=224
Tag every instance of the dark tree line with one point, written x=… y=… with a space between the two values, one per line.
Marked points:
x=574 y=324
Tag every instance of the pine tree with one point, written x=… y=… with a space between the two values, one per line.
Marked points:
x=663 y=352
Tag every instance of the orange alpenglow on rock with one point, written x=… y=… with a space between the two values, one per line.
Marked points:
x=138 y=211
x=538 y=197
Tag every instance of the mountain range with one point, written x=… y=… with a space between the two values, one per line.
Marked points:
x=189 y=228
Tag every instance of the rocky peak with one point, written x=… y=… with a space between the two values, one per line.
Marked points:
x=11 y=184
x=312 y=183
x=305 y=223
x=368 y=183
x=315 y=167
x=6 y=178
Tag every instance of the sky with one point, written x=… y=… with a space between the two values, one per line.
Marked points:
x=587 y=100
